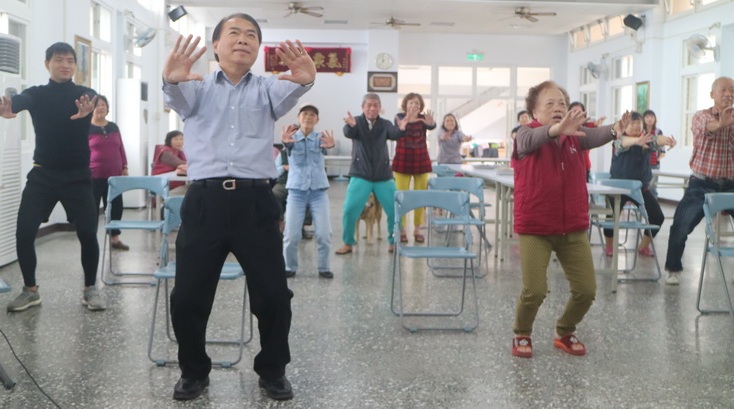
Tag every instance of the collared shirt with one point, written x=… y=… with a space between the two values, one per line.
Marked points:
x=713 y=152
x=306 y=163
x=229 y=127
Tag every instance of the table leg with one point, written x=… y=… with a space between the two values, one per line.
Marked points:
x=615 y=241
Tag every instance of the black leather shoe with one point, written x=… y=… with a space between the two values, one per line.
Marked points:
x=289 y=274
x=278 y=389
x=187 y=389
x=326 y=274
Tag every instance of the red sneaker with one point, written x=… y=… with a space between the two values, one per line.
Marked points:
x=646 y=251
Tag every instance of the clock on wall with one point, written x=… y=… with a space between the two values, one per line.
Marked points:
x=383 y=61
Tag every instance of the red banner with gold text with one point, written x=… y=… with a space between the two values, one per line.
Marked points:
x=335 y=59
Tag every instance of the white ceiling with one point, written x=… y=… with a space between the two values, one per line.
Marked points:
x=434 y=16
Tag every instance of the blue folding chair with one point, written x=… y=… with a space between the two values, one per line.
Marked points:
x=713 y=206
x=598 y=207
x=167 y=271
x=443 y=170
x=456 y=203
x=475 y=188
x=639 y=225
x=118 y=185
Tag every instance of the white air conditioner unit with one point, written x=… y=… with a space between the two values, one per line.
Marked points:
x=10 y=167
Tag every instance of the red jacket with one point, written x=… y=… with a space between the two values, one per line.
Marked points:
x=550 y=185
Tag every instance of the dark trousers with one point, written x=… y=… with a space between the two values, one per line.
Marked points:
x=99 y=188
x=45 y=188
x=216 y=222
x=652 y=207
x=687 y=216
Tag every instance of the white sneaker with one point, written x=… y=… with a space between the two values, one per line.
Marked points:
x=673 y=279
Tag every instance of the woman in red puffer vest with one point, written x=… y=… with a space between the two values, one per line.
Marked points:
x=552 y=211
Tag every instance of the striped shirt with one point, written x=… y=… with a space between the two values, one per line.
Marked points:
x=229 y=127
x=713 y=152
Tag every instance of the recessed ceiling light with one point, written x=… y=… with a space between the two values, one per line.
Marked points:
x=336 y=22
x=441 y=23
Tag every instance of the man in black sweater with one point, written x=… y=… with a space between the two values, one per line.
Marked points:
x=60 y=111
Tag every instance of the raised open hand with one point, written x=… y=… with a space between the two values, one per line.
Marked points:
x=327 y=139
x=6 y=108
x=622 y=123
x=412 y=114
x=429 y=120
x=570 y=124
x=183 y=56
x=288 y=132
x=349 y=120
x=645 y=139
x=302 y=67
x=85 y=106
x=667 y=140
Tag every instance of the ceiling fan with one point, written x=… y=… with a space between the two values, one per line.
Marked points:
x=524 y=12
x=298 y=8
x=395 y=23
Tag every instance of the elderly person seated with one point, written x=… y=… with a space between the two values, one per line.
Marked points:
x=169 y=158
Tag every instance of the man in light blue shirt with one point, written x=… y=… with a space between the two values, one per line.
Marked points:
x=229 y=117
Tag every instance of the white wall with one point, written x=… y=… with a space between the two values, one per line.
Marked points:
x=336 y=95
x=660 y=62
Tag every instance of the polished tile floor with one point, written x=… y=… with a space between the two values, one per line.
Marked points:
x=648 y=345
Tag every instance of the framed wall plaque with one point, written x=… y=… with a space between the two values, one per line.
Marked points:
x=83 y=48
x=642 y=90
x=382 y=81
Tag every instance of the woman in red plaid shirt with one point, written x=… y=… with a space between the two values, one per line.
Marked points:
x=411 y=157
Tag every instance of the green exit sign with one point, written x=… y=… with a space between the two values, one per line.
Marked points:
x=475 y=56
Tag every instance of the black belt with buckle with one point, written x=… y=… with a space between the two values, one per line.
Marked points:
x=232 y=184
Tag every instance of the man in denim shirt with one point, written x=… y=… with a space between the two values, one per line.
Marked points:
x=307 y=184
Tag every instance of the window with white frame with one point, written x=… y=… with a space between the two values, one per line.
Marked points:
x=414 y=78
x=616 y=26
x=589 y=101
x=586 y=76
x=622 y=67
x=696 y=96
x=623 y=99
x=681 y=6
x=100 y=24
x=102 y=80
x=134 y=71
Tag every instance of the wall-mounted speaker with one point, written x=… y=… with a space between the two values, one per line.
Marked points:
x=632 y=22
x=177 y=13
